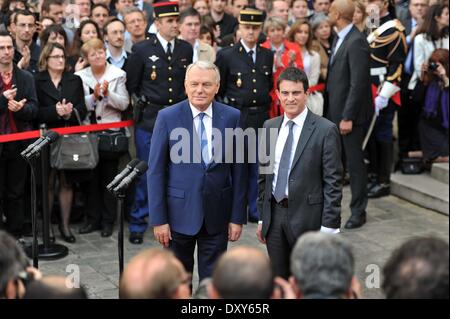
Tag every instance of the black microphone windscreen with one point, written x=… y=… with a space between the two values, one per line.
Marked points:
x=133 y=163
x=52 y=135
x=141 y=167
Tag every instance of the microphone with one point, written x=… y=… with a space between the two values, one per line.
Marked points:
x=140 y=169
x=48 y=138
x=122 y=174
x=31 y=146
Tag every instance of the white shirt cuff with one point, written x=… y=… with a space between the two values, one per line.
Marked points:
x=330 y=230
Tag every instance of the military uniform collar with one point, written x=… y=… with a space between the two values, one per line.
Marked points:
x=164 y=42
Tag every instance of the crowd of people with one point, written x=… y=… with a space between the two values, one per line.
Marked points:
x=322 y=267
x=332 y=76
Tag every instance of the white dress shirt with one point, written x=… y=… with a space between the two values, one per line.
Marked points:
x=164 y=42
x=341 y=36
x=297 y=128
x=299 y=120
x=195 y=48
x=247 y=49
x=207 y=122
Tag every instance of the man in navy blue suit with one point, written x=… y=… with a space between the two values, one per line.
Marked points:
x=199 y=199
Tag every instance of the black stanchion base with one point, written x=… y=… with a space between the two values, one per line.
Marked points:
x=51 y=252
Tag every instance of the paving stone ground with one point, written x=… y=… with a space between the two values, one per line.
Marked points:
x=391 y=221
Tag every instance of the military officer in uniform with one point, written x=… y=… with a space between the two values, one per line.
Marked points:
x=245 y=83
x=388 y=51
x=156 y=71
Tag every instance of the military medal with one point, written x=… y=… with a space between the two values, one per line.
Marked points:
x=239 y=81
x=153 y=75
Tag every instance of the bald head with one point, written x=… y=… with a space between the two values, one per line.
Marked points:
x=243 y=273
x=345 y=9
x=154 y=273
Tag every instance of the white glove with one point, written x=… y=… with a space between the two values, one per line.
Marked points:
x=380 y=103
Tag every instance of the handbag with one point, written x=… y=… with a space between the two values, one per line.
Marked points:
x=411 y=165
x=75 y=151
x=113 y=141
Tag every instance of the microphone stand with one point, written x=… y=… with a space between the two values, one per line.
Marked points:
x=46 y=250
x=120 y=196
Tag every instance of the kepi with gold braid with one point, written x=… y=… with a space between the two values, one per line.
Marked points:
x=251 y=16
x=166 y=9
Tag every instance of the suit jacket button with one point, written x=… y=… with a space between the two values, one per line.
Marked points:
x=170 y=100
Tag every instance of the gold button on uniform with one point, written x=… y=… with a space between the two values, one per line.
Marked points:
x=170 y=89
x=254 y=91
x=170 y=68
x=253 y=70
x=254 y=80
x=170 y=79
x=254 y=101
x=170 y=100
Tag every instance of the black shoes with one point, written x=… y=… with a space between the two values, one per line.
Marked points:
x=67 y=236
x=355 y=222
x=136 y=238
x=88 y=228
x=379 y=190
x=107 y=230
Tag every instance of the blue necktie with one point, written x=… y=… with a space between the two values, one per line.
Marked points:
x=283 y=168
x=203 y=140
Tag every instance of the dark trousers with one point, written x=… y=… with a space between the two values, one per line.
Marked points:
x=101 y=203
x=209 y=249
x=13 y=175
x=408 y=117
x=354 y=157
x=254 y=119
x=280 y=241
x=139 y=214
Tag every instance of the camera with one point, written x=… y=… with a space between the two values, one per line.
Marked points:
x=432 y=66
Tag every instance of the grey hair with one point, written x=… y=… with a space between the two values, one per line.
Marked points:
x=204 y=65
x=322 y=264
x=274 y=22
x=133 y=9
x=317 y=20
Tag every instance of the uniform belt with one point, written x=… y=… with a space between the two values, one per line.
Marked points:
x=283 y=203
x=378 y=71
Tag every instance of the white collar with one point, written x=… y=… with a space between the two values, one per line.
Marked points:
x=298 y=120
x=247 y=49
x=123 y=54
x=341 y=34
x=164 y=42
x=196 y=112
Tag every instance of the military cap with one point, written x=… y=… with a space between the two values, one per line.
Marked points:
x=251 y=16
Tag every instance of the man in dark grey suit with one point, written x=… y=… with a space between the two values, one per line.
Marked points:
x=300 y=185
x=350 y=101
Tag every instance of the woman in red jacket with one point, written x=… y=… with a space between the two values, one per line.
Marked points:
x=286 y=54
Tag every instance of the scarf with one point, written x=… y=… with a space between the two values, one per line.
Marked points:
x=437 y=97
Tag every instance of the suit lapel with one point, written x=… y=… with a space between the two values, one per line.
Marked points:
x=343 y=46
x=244 y=56
x=159 y=49
x=50 y=87
x=308 y=129
x=188 y=123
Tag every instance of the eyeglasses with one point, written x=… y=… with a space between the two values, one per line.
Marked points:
x=57 y=57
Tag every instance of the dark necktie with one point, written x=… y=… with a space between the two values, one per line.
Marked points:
x=283 y=168
x=333 y=48
x=250 y=54
x=169 y=50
